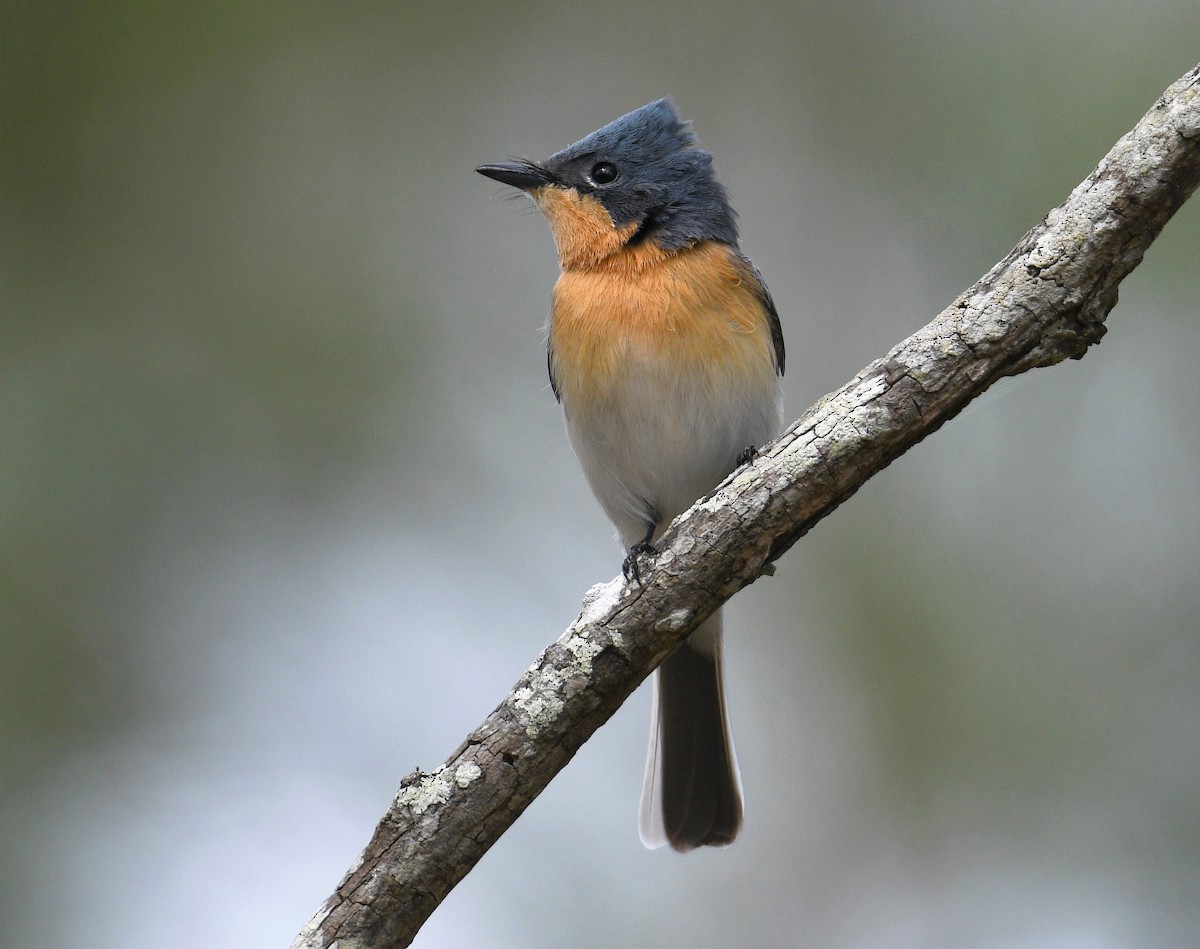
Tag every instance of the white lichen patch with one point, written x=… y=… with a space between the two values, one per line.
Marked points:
x=1187 y=123
x=674 y=621
x=708 y=505
x=599 y=601
x=467 y=774
x=869 y=389
x=584 y=651
x=823 y=424
x=430 y=791
x=539 y=703
x=667 y=557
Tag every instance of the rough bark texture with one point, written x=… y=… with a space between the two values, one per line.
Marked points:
x=1046 y=301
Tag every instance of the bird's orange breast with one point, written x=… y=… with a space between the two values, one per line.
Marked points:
x=695 y=316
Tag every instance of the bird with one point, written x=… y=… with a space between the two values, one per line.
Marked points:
x=666 y=353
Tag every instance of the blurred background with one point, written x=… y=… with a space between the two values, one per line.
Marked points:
x=287 y=506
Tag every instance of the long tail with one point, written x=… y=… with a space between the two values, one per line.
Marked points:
x=692 y=795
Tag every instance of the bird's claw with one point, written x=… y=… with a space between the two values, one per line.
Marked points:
x=748 y=455
x=630 y=567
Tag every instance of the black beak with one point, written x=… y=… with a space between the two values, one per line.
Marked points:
x=520 y=174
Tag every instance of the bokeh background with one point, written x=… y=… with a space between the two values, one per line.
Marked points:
x=287 y=506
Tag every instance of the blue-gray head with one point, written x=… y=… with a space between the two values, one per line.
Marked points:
x=645 y=168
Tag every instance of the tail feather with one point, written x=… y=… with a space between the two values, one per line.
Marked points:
x=692 y=795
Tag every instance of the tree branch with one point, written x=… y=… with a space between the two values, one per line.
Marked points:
x=1045 y=302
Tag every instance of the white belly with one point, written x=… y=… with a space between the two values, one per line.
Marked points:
x=658 y=442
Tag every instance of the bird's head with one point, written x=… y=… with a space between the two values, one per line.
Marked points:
x=642 y=178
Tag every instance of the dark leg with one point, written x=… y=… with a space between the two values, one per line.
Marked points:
x=630 y=567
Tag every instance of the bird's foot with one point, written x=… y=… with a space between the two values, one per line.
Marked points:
x=630 y=566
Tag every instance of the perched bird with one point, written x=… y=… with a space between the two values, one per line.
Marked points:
x=666 y=353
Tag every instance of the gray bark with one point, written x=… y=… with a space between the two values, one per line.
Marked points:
x=1045 y=302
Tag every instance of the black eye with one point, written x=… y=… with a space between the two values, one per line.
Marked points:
x=603 y=173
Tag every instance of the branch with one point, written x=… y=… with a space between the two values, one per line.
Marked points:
x=1045 y=302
